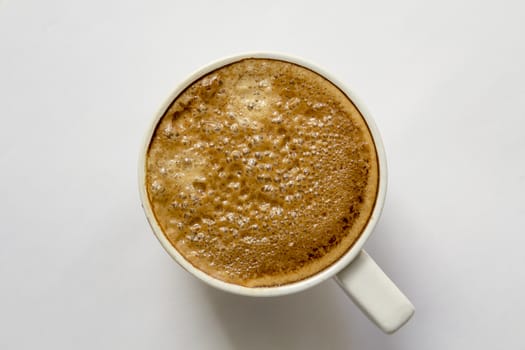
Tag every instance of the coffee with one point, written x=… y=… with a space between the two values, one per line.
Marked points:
x=262 y=173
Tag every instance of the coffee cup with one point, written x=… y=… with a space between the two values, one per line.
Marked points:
x=355 y=271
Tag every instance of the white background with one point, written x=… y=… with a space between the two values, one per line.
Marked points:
x=80 y=82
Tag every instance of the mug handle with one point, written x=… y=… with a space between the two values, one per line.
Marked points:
x=375 y=294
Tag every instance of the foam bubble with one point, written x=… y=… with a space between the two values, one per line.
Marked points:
x=234 y=185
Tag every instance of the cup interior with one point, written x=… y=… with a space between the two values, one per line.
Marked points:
x=294 y=287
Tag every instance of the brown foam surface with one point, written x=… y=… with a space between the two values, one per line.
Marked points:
x=262 y=173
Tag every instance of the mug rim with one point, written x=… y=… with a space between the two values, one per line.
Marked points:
x=310 y=281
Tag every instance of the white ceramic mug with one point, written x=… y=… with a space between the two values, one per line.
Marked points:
x=358 y=275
